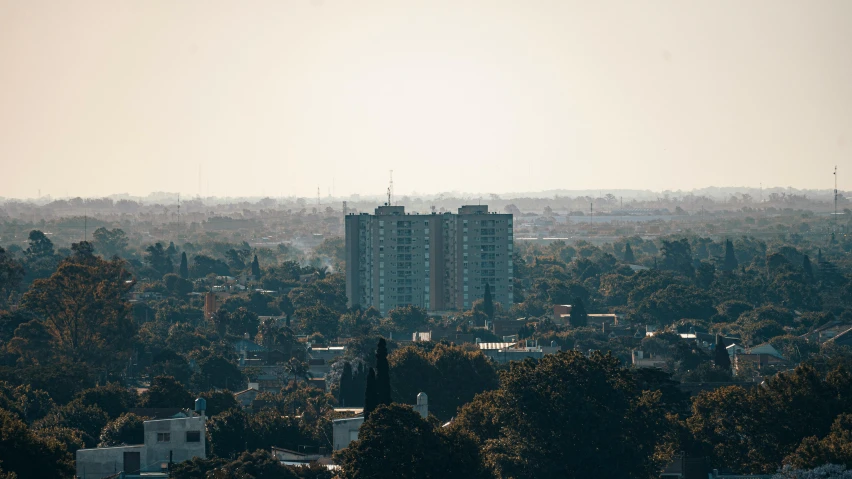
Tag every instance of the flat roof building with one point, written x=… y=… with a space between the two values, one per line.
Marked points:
x=438 y=262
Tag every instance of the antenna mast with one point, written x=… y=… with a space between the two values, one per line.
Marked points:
x=835 y=197
x=390 y=189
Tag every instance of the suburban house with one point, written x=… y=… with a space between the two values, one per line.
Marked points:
x=516 y=351
x=246 y=397
x=297 y=458
x=165 y=441
x=640 y=360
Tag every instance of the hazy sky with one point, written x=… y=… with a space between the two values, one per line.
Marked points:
x=279 y=97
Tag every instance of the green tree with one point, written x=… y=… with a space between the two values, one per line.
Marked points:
x=165 y=392
x=184 y=266
x=628 y=254
x=25 y=454
x=176 y=285
x=110 y=242
x=450 y=375
x=383 y=386
x=215 y=370
x=203 y=265
x=370 y=394
x=158 y=259
x=406 y=318
x=242 y=321
x=33 y=342
x=113 y=398
x=40 y=258
x=677 y=256
x=344 y=394
x=396 y=442
x=539 y=423
x=319 y=318
x=127 y=429
x=488 y=302
x=219 y=402
x=720 y=354
x=806 y=266
x=578 y=317
x=39 y=245
x=11 y=275
x=89 y=420
x=255 y=268
x=84 y=310
x=730 y=263
x=834 y=448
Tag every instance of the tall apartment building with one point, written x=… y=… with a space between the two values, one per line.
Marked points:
x=437 y=261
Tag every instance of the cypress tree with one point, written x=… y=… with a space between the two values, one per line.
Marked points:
x=628 y=254
x=359 y=386
x=578 y=316
x=731 y=262
x=255 y=268
x=370 y=399
x=345 y=393
x=720 y=355
x=806 y=265
x=488 y=302
x=184 y=266
x=383 y=389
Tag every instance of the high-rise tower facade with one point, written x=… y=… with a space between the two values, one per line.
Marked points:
x=437 y=261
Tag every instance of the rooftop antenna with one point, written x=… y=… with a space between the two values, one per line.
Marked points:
x=390 y=188
x=835 y=197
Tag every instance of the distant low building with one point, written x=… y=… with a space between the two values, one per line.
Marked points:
x=640 y=360
x=246 y=397
x=505 y=352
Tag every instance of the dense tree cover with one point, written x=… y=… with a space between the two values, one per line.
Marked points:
x=298 y=416
x=255 y=465
x=755 y=429
x=567 y=415
x=450 y=376
x=396 y=442
x=126 y=429
x=26 y=453
x=82 y=309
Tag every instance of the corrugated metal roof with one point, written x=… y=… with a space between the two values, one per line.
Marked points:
x=495 y=345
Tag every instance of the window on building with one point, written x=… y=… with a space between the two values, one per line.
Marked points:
x=164 y=437
x=193 y=436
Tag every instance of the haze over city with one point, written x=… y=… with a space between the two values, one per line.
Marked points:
x=279 y=98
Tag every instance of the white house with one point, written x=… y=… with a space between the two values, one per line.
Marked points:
x=166 y=440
